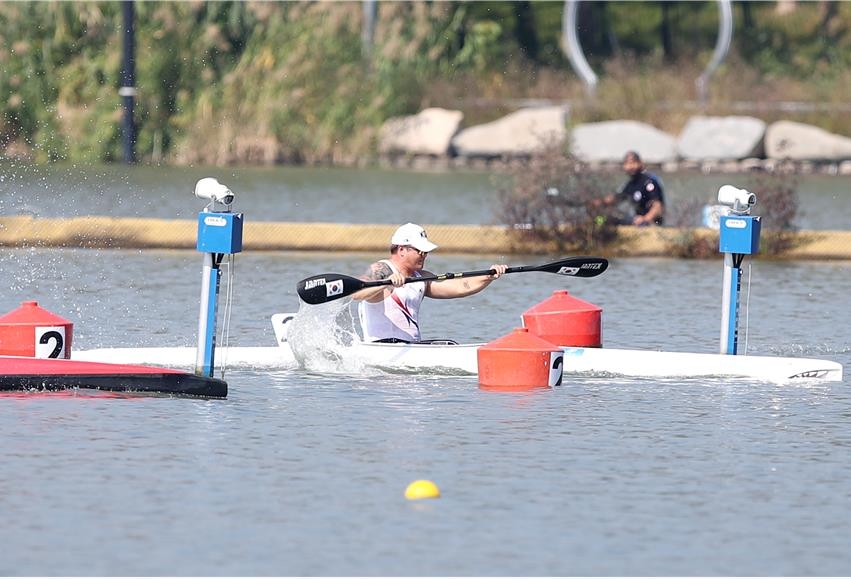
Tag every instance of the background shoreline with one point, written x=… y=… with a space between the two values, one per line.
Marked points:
x=148 y=233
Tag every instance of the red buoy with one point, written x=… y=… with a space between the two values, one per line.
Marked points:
x=519 y=361
x=35 y=332
x=566 y=321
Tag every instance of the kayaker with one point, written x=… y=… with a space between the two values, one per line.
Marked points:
x=643 y=189
x=391 y=313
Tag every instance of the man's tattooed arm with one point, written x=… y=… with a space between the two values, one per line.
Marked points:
x=379 y=270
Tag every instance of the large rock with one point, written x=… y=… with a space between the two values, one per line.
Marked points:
x=428 y=133
x=608 y=142
x=721 y=138
x=800 y=142
x=520 y=133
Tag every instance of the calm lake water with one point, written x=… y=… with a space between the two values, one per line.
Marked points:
x=301 y=473
x=341 y=195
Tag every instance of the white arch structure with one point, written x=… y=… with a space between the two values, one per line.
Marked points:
x=580 y=65
x=572 y=48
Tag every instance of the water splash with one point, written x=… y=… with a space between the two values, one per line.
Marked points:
x=322 y=338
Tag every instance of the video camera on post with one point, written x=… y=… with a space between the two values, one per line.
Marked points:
x=739 y=200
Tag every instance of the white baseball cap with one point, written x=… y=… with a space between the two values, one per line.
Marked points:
x=413 y=235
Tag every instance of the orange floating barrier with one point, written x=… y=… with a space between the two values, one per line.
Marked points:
x=566 y=321
x=519 y=361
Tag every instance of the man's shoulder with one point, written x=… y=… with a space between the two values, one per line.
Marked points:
x=648 y=176
x=379 y=269
x=651 y=182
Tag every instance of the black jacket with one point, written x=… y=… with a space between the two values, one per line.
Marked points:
x=641 y=190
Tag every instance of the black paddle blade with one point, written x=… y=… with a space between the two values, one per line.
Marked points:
x=326 y=287
x=579 y=266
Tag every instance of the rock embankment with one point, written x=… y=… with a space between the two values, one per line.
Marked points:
x=710 y=144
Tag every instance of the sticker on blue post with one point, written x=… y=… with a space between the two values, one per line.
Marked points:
x=219 y=232
x=739 y=234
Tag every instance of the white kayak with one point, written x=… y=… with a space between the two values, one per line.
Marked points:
x=462 y=359
x=433 y=358
x=184 y=357
x=243 y=357
x=654 y=364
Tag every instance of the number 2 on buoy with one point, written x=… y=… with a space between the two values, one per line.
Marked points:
x=50 y=342
x=556 y=368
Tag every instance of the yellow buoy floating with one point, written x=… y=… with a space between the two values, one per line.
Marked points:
x=422 y=489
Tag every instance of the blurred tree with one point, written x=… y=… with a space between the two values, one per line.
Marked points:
x=286 y=81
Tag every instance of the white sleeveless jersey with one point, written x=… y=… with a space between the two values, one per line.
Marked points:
x=396 y=316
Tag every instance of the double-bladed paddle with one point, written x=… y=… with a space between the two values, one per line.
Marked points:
x=326 y=287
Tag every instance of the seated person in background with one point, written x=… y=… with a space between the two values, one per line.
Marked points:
x=391 y=313
x=643 y=190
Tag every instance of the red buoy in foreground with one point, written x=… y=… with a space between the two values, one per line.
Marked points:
x=35 y=332
x=566 y=321
x=519 y=361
